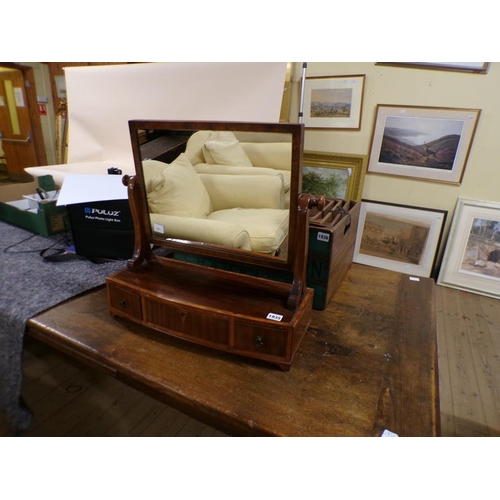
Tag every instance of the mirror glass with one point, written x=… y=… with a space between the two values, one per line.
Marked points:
x=223 y=189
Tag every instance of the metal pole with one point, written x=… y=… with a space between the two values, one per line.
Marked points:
x=302 y=88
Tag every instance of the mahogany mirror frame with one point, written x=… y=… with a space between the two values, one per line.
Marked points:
x=296 y=131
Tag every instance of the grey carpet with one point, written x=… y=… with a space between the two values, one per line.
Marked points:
x=29 y=285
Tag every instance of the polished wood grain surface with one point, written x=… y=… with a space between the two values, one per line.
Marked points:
x=368 y=362
x=199 y=304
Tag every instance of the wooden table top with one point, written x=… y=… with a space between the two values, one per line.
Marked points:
x=367 y=363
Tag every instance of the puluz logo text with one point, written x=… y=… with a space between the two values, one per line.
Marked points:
x=99 y=214
x=97 y=211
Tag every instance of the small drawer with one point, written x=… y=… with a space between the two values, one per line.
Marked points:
x=211 y=329
x=257 y=339
x=125 y=301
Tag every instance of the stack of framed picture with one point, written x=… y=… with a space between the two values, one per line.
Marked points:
x=423 y=143
x=415 y=142
x=333 y=102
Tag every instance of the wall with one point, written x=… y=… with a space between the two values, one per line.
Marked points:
x=420 y=87
x=391 y=85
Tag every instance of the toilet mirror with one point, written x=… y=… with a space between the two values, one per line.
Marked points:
x=223 y=190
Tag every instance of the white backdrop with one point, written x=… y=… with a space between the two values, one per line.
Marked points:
x=101 y=100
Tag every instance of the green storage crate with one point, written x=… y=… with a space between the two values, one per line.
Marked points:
x=331 y=248
x=36 y=215
x=332 y=237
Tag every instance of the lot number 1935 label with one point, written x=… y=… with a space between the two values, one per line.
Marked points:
x=274 y=316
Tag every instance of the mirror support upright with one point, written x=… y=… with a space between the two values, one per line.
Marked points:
x=306 y=202
x=142 y=250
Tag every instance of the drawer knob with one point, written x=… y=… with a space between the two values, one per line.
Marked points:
x=123 y=303
x=259 y=341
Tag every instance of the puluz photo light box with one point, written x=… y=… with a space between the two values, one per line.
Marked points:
x=99 y=214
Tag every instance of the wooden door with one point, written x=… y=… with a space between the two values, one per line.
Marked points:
x=19 y=123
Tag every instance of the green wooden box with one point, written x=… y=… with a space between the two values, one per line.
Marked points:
x=332 y=234
x=42 y=217
x=332 y=237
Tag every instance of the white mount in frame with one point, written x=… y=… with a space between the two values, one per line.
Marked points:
x=471 y=260
x=333 y=102
x=421 y=142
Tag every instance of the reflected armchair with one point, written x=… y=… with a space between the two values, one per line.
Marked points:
x=238 y=211
x=241 y=153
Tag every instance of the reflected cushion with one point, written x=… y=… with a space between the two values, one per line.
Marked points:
x=244 y=191
x=151 y=168
x=222 y=148
x=267 y=227
x=205 y=230
x=177 y=190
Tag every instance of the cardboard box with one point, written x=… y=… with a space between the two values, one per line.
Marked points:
x=36 y=215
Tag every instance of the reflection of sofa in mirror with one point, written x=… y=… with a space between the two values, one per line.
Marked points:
x=242 y=153
x=238 y=211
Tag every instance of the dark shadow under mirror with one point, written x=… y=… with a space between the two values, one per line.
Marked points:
x=222 y=189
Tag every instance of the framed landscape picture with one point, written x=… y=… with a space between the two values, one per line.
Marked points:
x=399 y=237
x=471 y=260
x=425 y=143
x=333 y=102
x=333 y=175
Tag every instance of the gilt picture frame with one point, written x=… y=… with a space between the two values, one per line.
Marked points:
x=333 y=102
x=399 y=238
x=426 y=143
x=334 y=175
x=471 y=260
